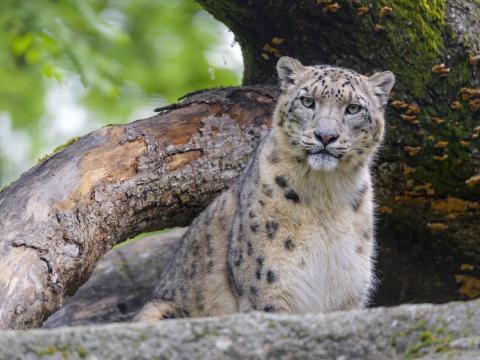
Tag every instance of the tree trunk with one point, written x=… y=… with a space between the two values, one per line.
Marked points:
x=59 y=218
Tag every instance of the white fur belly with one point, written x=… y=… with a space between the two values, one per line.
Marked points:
x=330 y=274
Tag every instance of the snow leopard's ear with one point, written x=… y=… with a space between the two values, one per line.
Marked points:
x=288 y=69
x=382 y=83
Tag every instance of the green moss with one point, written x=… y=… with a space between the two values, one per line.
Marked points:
x=82 y=352
x=140 y=339
x=424 y=41
x=58 y=148
x=420 y=325
x=5 y=186
x=469 y=314
x=411 y=52
x=428 y=340
x=398 y=335
x=441 y=331
x=426 y=336
x=442 y=348
x=52 y=350
x=48 y=351
x=427 y=344
x=272 y=324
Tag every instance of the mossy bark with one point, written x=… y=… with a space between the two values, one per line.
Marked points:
x=429 y=232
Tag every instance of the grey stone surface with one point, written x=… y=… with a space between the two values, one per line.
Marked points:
x=450 y=331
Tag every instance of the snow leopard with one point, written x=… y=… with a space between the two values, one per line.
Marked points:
x=295 y=233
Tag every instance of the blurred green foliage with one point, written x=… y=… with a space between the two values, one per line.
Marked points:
x=125 y=51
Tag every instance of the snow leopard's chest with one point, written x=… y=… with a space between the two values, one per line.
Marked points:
x=330 y=273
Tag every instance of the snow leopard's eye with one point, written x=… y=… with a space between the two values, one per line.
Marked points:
x=308 y=102
x=353 y=109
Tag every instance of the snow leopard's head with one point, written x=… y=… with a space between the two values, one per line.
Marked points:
x=329 y=116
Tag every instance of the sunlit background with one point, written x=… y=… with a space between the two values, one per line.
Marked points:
x=68 y=67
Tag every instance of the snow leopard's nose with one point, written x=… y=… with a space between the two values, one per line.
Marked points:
x=325 y=138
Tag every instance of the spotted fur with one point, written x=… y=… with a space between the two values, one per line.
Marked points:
x=295 y=233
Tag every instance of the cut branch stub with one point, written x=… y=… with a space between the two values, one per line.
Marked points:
x=59 y=218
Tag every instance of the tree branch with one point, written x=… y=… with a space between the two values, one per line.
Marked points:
x=63 y=215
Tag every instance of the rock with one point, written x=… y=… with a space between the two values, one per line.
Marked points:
x=449 y=331
x=124 y=280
